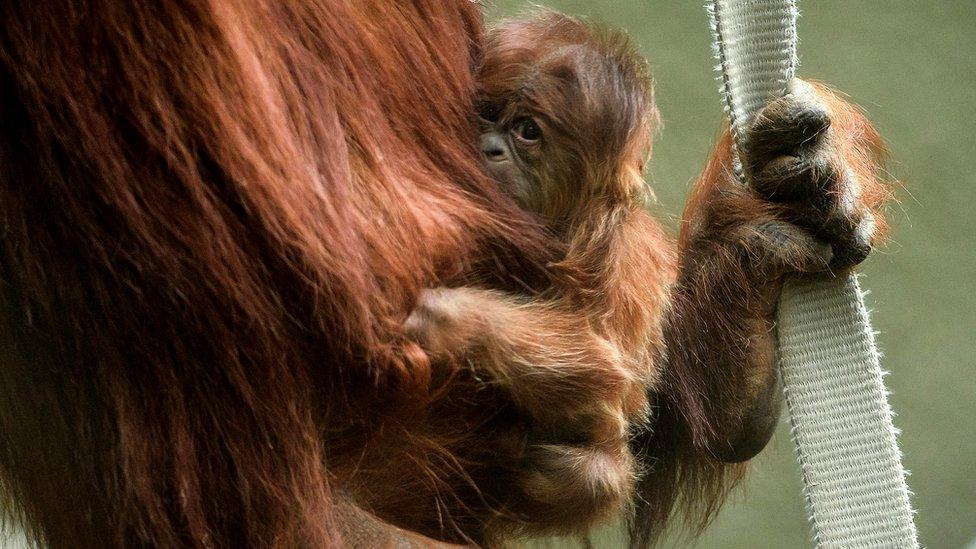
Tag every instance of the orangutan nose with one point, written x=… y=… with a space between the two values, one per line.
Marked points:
x=494 y=147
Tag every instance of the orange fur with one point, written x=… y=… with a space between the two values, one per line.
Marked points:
x=216 y=217
x=219 y=218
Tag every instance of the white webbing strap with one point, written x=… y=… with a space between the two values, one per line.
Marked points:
x=841 y=422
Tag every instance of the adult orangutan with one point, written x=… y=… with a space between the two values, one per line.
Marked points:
x=218 y=217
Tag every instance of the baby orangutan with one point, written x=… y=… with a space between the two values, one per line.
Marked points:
x=640 y=346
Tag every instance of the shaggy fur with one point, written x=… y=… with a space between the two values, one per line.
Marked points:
x=626 y=311
x=217 y=216
x=577 y=358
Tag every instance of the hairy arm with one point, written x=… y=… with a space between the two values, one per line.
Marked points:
x=814 y=208
x=545 y=356
x=575 y=362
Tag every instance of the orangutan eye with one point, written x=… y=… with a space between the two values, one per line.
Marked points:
x=528 y=130
x=489 y=113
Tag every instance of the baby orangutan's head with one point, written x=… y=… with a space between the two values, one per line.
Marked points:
x=567 y=113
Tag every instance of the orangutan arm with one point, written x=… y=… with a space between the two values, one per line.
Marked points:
x=814 y=208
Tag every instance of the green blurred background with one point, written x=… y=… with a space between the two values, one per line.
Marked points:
x=912 y=66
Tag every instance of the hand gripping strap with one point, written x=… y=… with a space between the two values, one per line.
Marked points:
x=841 y=422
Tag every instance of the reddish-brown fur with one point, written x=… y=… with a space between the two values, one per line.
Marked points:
x=719 y=397
x=700 y=335
x=577 y=358
x=217 y=216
